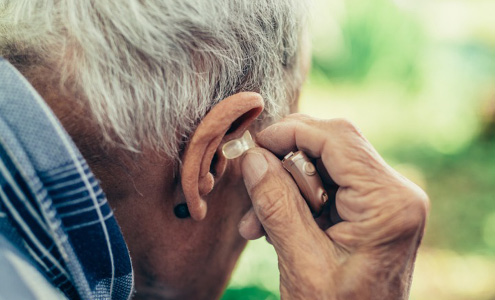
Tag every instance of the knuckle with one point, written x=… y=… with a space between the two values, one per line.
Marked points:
x=304 y=119
x=298 y=116
x=415 y=210
x=420 y=204
x=345 y=125
x=272 y=206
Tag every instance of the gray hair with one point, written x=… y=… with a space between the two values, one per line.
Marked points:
x=151 y=69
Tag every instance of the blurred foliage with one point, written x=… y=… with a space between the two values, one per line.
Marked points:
x=377 y=40
x=249 y=293
x=462 y=189
x=418 y=77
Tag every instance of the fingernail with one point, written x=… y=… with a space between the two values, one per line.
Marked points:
x=254 y=167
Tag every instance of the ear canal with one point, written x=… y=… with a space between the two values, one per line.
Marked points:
x=214 y=161
x=219 y=160
x=218 y=164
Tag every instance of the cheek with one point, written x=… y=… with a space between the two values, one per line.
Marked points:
x=182 y=258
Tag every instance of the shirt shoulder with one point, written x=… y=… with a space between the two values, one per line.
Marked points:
x=20 y=279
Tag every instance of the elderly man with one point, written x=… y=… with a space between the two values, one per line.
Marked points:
x=146 y=93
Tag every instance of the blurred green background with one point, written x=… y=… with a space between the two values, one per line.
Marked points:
x=418 y=77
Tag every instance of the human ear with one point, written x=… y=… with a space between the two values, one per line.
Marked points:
x=226 y=120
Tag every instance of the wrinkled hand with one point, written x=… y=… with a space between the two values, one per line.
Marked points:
x=370 y=255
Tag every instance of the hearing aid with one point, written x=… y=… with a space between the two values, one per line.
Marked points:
x=298 y=164
x=235 y=148
x=307 y=179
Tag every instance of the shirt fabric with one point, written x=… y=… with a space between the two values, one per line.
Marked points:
x=56 y=226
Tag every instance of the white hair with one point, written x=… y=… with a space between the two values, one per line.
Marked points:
x=151 y=69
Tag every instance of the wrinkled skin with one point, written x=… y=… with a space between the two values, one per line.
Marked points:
x=370 y=255
x=179 y=258
x=172 y=258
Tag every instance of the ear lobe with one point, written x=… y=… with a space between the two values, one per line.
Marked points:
x=229 y=118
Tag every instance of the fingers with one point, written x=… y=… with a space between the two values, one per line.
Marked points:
x=382 y=217
x=277 y=203
x=374 y=199
x=250 y=227
x=384 y=214
x=346 y=154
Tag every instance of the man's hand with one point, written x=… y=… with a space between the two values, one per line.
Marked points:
x=370 y=255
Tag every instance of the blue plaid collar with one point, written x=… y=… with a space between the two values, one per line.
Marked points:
x=53 y=202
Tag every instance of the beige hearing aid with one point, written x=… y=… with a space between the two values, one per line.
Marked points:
x=297 y=164
x=308 y=180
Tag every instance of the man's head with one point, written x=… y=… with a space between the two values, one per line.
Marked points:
x=149 y=90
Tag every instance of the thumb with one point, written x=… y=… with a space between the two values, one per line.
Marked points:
x=277 y=203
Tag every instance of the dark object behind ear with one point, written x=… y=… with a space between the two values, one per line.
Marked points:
x=181 y=211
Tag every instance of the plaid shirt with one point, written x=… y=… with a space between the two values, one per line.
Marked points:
x=53 y=214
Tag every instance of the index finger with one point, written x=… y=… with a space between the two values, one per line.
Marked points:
x=345 y=152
